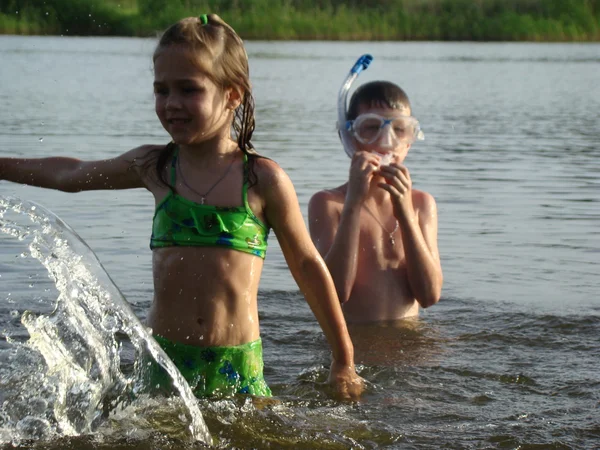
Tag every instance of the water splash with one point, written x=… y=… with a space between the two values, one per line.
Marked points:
x=72 y=371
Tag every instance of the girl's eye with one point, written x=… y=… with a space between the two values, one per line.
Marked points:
x=160 y=92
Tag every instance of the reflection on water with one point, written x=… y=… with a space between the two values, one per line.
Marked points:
x=395 y=343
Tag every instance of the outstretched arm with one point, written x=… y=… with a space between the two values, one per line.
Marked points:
x=310 y=272
x=73 y=175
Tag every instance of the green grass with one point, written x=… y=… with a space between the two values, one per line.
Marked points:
x=476 y=20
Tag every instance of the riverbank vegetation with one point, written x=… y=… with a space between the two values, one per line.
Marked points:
x=446 y=20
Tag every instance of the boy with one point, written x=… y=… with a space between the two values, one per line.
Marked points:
x=378 y=236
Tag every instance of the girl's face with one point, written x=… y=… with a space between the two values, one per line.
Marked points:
x=188 y=104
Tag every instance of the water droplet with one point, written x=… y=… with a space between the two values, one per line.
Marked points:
x=41 y=139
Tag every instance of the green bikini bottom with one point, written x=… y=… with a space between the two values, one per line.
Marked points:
x=215 y=371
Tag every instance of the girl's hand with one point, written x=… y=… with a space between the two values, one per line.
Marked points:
x=348 y=385
x=362 y=169
x=399 y=185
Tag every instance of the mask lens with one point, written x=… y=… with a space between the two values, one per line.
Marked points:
x=367 y=128
x=403 y=128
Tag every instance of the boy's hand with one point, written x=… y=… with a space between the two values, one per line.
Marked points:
x=364 y=165
x=347 y=384
x=399 y=185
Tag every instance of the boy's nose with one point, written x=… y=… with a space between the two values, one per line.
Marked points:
x=386 y=140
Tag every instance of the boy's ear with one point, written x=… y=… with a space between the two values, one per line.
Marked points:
x=233 y=99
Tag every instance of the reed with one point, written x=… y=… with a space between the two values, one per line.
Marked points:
x=448 y=20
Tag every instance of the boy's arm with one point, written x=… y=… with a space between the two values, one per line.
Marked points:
x=73 y=175
x=336 y=236
x=419 y=237
x=310 y=272
x=416 y=213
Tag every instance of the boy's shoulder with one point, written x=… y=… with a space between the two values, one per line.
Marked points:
x=327 y=203
x=424 y=202
x=333 y=195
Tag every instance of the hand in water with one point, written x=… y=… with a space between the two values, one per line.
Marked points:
x=347 y=384
x=364 y=165
x=399 y=185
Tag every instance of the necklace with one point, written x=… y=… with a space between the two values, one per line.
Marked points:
x=390 y=233
x=203 y=196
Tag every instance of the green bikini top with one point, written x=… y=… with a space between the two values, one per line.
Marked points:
x=181 y=222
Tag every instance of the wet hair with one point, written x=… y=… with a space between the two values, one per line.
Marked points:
x=217 y=50
x=377 y=94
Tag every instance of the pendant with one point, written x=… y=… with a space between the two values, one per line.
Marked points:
x=202 y=200
x=392 y=240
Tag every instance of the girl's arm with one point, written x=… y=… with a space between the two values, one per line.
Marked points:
x=310 y=272
x=73 y=175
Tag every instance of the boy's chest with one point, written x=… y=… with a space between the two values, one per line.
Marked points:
x=380 y=249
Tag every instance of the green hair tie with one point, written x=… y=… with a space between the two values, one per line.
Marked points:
x=203 y=19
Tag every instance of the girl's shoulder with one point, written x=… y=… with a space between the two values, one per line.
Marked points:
x=139 y=155
x=272 y=182
x=267 y=170
x=148 y=161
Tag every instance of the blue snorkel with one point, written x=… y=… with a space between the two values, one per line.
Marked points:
x=361 y=64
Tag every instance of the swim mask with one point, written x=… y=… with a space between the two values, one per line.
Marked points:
x=410 y=126
x=387 y=131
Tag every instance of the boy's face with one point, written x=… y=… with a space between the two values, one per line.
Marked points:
x=389 y=139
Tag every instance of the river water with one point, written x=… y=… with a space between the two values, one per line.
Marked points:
x=507 y=359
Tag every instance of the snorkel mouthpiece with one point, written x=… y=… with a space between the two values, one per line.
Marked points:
x=361 y=64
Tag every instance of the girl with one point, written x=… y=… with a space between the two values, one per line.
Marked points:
x=216 y=201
